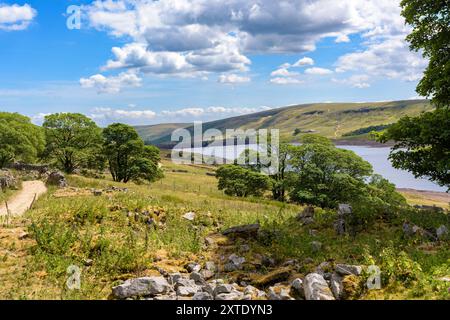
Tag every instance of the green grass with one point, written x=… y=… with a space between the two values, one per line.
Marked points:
x=104 y=230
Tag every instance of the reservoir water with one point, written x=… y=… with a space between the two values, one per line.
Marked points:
x=377 y=157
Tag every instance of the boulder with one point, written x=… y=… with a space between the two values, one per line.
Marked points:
x=206 y=274
x=346 y=270
x=188 y=291
x=198 y=278
x=58 y=179
x=345 y=209
x=316 y=288
x=193 y=267
x=242 y=231
x=202 y=296
x=234 y=263
x=223 y=288
x=336 y=285
x=297 y=287
x=147 y=286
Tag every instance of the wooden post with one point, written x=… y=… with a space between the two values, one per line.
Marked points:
x=7 y=213
x=32 y=202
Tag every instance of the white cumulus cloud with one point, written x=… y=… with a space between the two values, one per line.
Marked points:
x=233 y=79
x=113 y=84
x=318 y=71
x=16 y=17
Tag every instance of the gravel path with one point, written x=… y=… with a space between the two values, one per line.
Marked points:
x=21 y=201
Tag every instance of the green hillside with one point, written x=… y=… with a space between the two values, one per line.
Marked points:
x=151 y=133
x=333 y=120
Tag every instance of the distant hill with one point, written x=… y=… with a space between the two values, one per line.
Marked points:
x=155 y=132
x=338 y=121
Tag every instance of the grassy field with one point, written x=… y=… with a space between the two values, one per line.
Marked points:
x=331 y=120
x=110 y=238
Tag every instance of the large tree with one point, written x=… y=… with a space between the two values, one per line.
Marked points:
x=422 y=144
x=128 y=157
x=20 y=140
x=71 y=139
x=324 y=175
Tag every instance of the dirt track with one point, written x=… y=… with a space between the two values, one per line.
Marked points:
x=21 y=201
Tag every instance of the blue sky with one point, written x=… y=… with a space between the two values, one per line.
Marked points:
x=184 y=60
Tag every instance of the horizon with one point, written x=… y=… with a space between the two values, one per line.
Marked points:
x=125 y=61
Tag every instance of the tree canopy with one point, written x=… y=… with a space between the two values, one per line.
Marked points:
x=422 y=143
x=71 y=139
x=20 y=140
x=324 y=175
x=128 y=157
x=430 y=20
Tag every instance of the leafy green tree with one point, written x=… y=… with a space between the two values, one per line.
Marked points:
x=20 y=140
x=422 y=143
x=241 y=182
x=128 y=157
x=279 y=178
x=70 y=139
x=430 y=20
x=324 y=175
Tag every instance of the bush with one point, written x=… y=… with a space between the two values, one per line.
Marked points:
x=241 y=182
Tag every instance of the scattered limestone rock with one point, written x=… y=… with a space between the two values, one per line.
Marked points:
x=58 y=179
x=234 y=295
x=97 y=193
x=210 y=266
x=189 y=216
x=23 y=235
x=147 y=286
x=223 y=288
x=316 y=288
x=193 y=267
x=202 y=296
x=346 y=270
x=234 y=263
x=198 y=278
x=336 y=286
x=297 y=288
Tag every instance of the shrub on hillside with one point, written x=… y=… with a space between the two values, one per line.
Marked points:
x=241 y=182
